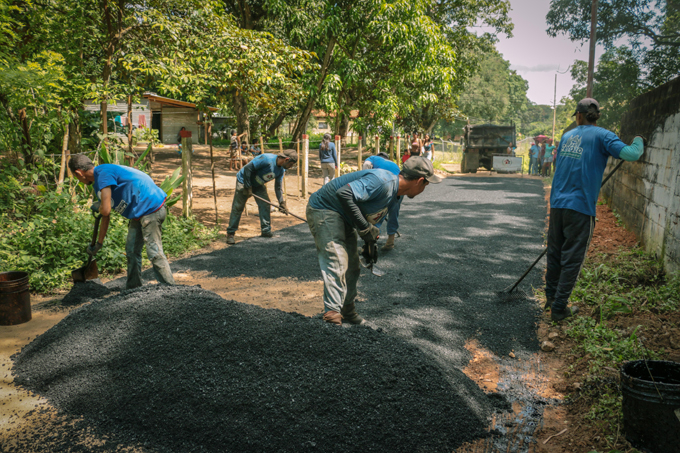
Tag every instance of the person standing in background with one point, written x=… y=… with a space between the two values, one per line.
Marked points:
x=533 y=158
x=328 y=156
x=429 y=151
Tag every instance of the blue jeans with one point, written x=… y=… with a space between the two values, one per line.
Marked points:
x=392 y=217
x=336 y=247
x=533 y=165
x=147 y=230
x=239 y=204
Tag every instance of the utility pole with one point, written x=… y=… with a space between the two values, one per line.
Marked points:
x=591 y=57
x=554 y=108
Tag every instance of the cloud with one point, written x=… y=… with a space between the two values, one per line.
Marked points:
x=536 y=68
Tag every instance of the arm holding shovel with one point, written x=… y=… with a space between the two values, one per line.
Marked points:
x=104 y=209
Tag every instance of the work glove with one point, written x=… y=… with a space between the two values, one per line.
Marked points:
x=95 y=207
x=370 y=252
x=282 y=207
x=93 y=249
x=370 y=234
x=247 y=191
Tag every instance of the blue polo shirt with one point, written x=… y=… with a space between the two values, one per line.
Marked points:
x=133 y=192
x=384 y=164
x=535 y=150
x=374 y=191
x=264 y=170
x=581 y=160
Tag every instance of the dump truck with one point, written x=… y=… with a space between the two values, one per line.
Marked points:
x=482 y=142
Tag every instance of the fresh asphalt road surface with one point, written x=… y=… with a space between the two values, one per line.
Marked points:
x=461 y=241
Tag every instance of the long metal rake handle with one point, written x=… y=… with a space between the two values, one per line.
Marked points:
x=279 y=207
x=546 y=249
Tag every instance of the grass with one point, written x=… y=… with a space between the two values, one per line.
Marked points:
x=619 y=292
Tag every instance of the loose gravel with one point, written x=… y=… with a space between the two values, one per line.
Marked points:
x=84 y=292
x=177 y=369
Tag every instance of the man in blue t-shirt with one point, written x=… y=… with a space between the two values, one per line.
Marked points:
x=132 y=194
x=581 y=159
x=533 y=158
x=251 y=180
x=356 y=201
x=381 y=161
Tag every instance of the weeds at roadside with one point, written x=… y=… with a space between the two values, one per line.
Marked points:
x=629 y=284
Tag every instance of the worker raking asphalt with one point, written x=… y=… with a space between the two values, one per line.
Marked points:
x=181 y=369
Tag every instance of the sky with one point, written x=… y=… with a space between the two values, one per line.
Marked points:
x=536 y=56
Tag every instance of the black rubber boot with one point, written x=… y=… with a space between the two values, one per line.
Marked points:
x=548 y=303
x=568 y=312
x=267 y=234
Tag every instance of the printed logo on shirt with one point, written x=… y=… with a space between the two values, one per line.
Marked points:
x=376 y=216
x=122 y=206
x=572 y=148
x=265 y=178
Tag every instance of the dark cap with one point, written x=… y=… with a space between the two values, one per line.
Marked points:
x=383 y=155
x=584 y=104
x=289 y=154
x=421 y=167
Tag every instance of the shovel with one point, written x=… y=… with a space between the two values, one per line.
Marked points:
x=365 y=260
x=89 y=271
x=279 y=208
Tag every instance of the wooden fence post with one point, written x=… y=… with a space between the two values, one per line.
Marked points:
x=305 y=164
x=398 y=149
x=338 y=145
x=391 y=146
x=359 y=160
x=280 y=146
x=376 y=150
x=297 y=147
x=187 y=197
x=212 y=171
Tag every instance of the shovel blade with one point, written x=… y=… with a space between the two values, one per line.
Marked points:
x=377 y=272
x=88 y=272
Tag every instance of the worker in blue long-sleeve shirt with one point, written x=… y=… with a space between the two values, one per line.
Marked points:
x=581 y=159
x=251 y=180
x=381 y=161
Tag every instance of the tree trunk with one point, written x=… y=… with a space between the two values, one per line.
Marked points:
x=241 y=109
x=64 y=158
x=301 y=125
x=129 y=134
x=275 y=125
x=74 y=134
x=26 y=145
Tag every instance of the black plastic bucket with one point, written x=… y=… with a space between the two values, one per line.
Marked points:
x=15 y=300
x=651 y=407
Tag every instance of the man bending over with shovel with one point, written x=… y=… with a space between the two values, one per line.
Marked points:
x=251 y=180
x=356 y=201
x=581 y=160
x=383 y=162
x=135 y=196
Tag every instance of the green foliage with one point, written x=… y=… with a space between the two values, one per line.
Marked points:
x=45 y=233
x=631 y=281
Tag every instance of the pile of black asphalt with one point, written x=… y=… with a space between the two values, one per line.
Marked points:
x=82 y=292
x=179 y=369
x=242 y=378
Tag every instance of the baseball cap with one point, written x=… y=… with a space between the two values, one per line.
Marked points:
x=383 y=155
x=289 y=154
x=420 y=167
x=584 y=104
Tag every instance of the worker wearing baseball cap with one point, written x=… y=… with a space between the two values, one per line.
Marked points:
x=581 y=159
x=383 y=162
x=353 y=203
x=251 y=180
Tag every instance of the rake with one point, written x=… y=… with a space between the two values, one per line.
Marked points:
x=511 y=293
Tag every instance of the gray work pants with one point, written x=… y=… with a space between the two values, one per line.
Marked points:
x=147 y=230
x=336 y=247
x=238 y=204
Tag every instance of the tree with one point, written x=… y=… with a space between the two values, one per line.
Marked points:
x=650 y=27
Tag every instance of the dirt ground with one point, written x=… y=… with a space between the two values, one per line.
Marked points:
x=23 y=415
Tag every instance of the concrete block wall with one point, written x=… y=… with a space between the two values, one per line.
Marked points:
x=647 y=193
x=174 y=118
